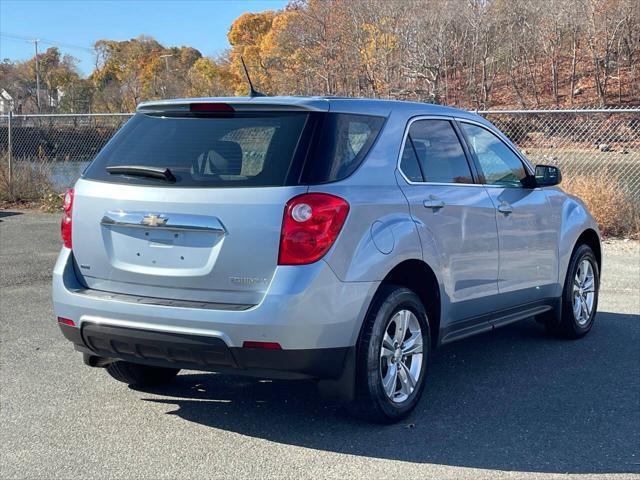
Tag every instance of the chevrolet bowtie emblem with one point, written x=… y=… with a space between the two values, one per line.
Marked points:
x=152 y=220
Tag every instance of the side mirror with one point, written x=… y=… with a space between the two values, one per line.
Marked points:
x=547 y=176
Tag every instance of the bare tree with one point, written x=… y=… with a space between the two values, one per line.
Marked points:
x=603 y=23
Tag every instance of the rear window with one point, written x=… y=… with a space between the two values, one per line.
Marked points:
x=242 y=149
x=232 y=150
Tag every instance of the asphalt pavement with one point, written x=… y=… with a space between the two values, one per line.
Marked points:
x=514 y=403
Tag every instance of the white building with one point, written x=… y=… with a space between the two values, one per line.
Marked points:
x=6 y=102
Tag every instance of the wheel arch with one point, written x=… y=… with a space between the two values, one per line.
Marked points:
x=418 y=276
x=590 y=238
x=577 y=226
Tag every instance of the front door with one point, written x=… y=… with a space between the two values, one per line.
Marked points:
x=528 y=239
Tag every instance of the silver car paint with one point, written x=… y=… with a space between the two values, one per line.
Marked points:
x=571 y=218
x=185 y=265
x=452 y=238
x=306 y=307
x=323 y=305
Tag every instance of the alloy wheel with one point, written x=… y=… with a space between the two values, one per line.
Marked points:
x=401 y=356
x=583 y=292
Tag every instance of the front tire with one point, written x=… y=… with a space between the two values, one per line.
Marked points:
x=579 y=296
x=392 y=356
x=141 y=375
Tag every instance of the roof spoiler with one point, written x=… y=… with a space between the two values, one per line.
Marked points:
x=238 y=104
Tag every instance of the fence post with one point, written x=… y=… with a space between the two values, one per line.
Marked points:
x=10 y=154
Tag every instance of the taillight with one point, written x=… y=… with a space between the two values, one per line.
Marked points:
x=311 y=224
x=65 y=225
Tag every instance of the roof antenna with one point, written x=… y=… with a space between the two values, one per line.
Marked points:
x=252 y=91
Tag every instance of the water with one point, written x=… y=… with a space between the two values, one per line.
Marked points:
x=65 y=174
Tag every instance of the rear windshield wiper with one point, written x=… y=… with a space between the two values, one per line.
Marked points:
x=142 y=171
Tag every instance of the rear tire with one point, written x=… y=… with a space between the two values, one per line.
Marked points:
x=579 y=296
x=392 y=356
x=141 y=375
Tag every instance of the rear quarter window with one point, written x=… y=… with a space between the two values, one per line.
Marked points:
x=340 y=145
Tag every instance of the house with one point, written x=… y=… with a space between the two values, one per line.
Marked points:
x=6 y=102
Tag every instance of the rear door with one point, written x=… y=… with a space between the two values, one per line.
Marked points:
x=212 y=235
x=455 y=216
x=527 y=234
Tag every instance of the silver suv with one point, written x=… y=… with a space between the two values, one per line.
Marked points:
x=326 y=238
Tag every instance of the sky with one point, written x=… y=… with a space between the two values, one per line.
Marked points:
x=74 y=26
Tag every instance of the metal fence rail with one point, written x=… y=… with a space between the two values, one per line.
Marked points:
x=596 y=143
x=49 y=152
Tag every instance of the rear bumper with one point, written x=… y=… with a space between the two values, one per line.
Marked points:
x=313 y=316
x=196 y=352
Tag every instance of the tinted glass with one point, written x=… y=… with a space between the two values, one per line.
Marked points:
x=439 y=152
x=256 y=149
x=204 y=151
x=409 y=163
x=341 y=143
x=500 y=166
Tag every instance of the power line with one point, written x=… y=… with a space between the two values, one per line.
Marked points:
x=46 y=41
x=35 y=42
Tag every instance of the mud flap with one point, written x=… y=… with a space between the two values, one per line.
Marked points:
x=343 y=387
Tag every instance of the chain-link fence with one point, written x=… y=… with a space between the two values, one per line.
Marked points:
x=44 y=153
x=48 y=152
x=602 y=143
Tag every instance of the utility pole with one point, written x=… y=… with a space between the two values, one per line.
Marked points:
x=166 y=61
x=35 y=42
x=10 y=150
x=166 y=64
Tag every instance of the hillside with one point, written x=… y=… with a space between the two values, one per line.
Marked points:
x=476 y=54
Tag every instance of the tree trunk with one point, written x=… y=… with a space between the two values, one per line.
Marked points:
x=574 y=65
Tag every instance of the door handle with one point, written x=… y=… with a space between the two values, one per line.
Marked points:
x=433 y=202
x=505 y=208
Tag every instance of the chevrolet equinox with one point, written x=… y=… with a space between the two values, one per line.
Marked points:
x=321 y=238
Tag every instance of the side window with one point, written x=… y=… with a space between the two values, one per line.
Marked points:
x=341 y=144
x=354 y=133
x=409 y=162
x=440 y=156
x=500 y=166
